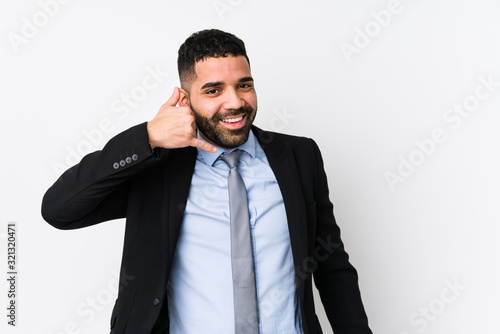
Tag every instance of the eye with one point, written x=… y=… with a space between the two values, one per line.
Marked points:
x=245 y=85
x=212 y=91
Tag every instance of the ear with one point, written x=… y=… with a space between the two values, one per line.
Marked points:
x=184 y=98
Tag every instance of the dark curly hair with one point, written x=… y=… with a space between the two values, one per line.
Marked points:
x=210 y=43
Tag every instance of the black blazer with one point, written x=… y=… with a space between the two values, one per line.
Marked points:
x=150 y=188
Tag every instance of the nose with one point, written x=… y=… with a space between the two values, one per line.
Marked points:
x=233 y=100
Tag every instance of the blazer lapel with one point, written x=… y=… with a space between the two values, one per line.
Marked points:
x=282 y=162
x=179 y=172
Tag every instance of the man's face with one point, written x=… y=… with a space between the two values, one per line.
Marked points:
x=223 y=100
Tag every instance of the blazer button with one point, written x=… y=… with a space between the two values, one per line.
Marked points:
x=122 y=163
x=135 y=157
x=128 y=160
x=116 y=165
x=156 y=302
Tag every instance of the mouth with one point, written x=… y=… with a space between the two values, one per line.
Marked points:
x=234 y=122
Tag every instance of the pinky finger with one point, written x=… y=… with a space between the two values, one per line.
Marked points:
x=203 y=145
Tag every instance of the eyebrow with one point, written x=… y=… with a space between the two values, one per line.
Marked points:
x=245 y=79
x=220 y=83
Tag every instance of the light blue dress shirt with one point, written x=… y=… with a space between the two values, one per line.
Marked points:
x=200 y=289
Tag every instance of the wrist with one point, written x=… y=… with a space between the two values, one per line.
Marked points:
x=151 y=137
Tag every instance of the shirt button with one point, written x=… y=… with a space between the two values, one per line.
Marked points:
x=156 y=302
x=116 y=165
x=135 y=157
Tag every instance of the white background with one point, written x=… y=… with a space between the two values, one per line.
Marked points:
x=435 y=226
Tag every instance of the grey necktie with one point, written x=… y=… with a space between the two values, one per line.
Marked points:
x=246 y=316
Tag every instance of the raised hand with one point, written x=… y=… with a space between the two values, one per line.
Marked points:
x=175 y=127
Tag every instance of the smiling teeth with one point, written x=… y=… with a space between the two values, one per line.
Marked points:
x=233 y=120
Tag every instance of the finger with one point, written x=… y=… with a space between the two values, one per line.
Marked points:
x=172 y=101
x=203 y=145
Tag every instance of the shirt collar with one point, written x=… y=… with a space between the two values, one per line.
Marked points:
x=209 y=158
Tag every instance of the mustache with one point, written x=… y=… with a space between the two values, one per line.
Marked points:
x=247 y=110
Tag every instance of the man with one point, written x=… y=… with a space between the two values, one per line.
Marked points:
x=173 y=180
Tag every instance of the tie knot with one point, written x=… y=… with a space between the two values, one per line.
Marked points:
x=231 y=159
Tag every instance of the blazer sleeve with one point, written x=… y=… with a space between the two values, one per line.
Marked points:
x=96 y=189
x=335 y=277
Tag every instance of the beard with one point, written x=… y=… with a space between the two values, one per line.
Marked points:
x=217 y=134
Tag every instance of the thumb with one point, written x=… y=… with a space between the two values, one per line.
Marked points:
x=172 y=101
